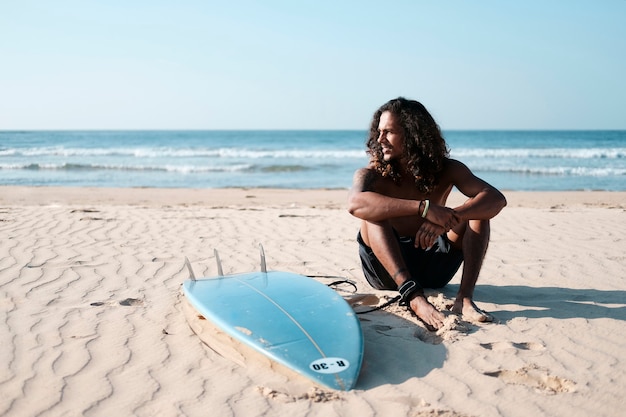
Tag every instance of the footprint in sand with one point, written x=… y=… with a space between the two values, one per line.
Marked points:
x=91 y=218
x=314 y=394
x=131 y=302
x=383 y=329
x=428 y=336
x=126 y=302
x=512 y=345
x=535 y=377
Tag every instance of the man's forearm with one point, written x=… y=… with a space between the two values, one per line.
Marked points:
x=484 y=206
x=371 y=206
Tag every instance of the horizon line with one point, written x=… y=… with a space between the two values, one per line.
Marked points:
x=302 y=130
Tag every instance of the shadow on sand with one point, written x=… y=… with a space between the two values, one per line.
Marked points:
x=393 y=352
x=552 y=302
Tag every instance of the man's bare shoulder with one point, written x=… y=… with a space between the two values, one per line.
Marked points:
x=453 y=169
x=458 y=174
x=454 y=164
x=365 y=179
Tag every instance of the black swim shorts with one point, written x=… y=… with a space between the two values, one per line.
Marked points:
x=430 y=268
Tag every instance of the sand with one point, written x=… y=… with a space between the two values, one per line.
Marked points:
x=93 y=324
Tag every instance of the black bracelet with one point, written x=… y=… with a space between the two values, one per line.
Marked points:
x=407 y=290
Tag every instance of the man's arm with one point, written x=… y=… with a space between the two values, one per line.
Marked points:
x=367 y=204
x=484 y=202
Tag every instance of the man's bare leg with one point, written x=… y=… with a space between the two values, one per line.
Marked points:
x=380 y=237
x=475 y=240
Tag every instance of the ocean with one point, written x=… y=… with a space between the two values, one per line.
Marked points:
x=509 y=160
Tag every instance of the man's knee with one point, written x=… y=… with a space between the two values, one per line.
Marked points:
x=480 y=228
x=373 y=232
x=474 y=230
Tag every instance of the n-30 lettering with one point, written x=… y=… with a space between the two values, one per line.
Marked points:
x=323 y=365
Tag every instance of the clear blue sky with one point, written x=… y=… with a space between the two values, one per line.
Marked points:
x=269 y=64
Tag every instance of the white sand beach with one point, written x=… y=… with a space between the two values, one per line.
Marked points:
x=92 y=319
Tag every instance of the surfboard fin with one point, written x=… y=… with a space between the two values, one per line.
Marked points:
x=220 y=272
x=263 y=267
x=191 y=274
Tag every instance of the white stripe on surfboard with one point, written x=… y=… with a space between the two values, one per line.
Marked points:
x=319 y=349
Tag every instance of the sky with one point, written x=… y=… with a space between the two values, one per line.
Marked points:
x=271 y=64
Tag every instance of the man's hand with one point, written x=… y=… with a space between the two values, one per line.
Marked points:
x=427 y=234
x=443 y=216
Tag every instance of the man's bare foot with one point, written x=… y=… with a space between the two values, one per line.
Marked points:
x=427 y=313
x=470 y=311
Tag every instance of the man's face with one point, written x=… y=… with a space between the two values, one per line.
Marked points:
x=390 y=136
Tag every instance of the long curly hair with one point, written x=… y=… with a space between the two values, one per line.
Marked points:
x=425 y=149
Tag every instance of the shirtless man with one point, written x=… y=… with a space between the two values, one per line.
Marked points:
x=409 y=239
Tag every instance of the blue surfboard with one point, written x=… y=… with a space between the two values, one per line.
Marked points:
x=292 y=319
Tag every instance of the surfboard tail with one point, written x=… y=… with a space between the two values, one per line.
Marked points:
x=263 y=266
x=220 y=272
x=192 y=276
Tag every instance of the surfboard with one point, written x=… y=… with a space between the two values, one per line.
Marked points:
x=292 y=319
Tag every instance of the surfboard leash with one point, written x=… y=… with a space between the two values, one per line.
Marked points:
x=380 y=307
x=335 y=284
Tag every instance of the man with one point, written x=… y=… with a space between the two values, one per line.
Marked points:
x=409 y=239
